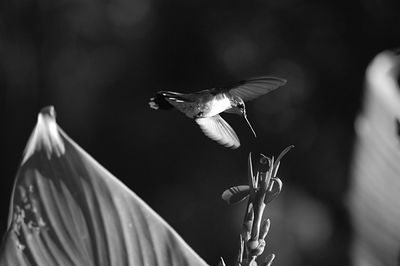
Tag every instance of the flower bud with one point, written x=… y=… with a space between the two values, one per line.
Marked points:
x=256 y=247
x=264 y=228
x=221 y=262
x=268 y=260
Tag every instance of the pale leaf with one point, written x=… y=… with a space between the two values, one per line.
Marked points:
x=66 y=209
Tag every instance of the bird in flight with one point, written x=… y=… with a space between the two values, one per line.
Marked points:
x=206 y=105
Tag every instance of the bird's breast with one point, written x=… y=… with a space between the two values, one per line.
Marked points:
x=217 y=105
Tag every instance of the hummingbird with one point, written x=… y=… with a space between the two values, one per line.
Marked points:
x=205 y=106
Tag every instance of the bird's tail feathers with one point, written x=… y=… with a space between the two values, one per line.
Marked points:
x=160 y=100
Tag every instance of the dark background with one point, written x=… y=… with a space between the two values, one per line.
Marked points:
x=98 y=63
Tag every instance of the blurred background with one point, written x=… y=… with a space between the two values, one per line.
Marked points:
x=99 y=62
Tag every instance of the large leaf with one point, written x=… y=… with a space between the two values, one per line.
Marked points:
x=66 y=209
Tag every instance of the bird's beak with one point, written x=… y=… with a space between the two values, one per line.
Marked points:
x=245 y=117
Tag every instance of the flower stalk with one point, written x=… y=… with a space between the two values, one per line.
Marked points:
x=262 y=188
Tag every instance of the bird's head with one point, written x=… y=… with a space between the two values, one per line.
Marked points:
x=240 y=108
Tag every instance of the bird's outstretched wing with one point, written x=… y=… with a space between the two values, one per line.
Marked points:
x=252 y=88
x=218 y=129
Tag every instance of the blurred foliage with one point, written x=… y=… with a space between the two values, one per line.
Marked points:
x=99 y=62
